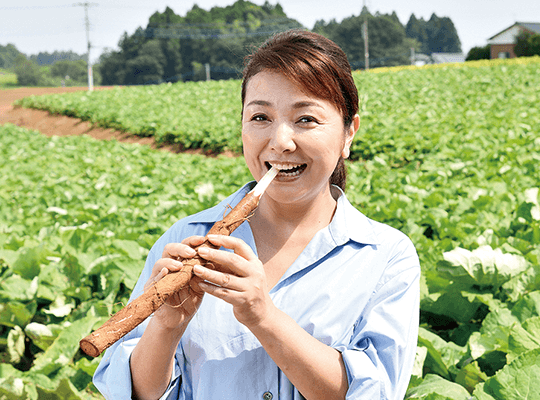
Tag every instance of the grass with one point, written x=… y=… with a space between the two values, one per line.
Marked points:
x=8 y=79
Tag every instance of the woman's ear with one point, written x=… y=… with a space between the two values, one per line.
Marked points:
x=351 y=131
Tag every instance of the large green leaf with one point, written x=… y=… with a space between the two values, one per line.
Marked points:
x=9 y=370
x=523 y=337
x=14 y=388
x=15 y=344
x=470 y=375
x=493 y=335
x=16 y=313
x=519 y=380
x=440 y=354
x=528 y=306
x=451 y=304
x=63 y=389
x=16 y=288
x=64 y=347
x=523 y=283
x=483 y=266
x=29 y=262
x=435 y=385
x=42 y=335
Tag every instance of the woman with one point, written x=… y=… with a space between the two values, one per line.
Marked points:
x=311 y=298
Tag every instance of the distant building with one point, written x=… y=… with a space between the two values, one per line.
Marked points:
x=503 y=43
x=443 y=58
x=438 y=58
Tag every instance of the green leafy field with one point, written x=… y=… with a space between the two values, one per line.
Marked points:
x=398 y=108
x=73 y=242
x=455 y=167
x=202 y=115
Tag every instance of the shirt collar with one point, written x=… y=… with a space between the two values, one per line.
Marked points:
x=350 y=224
x=347 y=224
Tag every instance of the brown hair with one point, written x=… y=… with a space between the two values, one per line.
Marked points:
x=314 y=63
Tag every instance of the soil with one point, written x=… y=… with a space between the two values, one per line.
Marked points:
x=60 y=125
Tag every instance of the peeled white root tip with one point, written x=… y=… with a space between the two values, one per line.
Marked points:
x=265 y=181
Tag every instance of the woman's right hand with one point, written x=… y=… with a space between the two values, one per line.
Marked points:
x=181 y=306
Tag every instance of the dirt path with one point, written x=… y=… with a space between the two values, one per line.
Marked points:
x=58 y=125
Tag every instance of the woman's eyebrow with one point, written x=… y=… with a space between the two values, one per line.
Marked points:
x=304 y=104
x=259 y=103
x=300 y=104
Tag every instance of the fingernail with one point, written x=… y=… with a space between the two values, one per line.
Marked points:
x=177 y=263
x=198 y=270
x=203 y=251
x=190 y=251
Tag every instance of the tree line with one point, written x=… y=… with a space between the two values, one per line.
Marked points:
x=46 y=69
x=389 y=41
x=173 y=47
x=215 y=42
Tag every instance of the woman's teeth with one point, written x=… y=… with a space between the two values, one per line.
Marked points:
x=288 y=169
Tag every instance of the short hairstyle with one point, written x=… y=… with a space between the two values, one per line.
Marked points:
x=317 y=65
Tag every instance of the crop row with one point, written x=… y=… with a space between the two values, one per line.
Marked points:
x=405 y=113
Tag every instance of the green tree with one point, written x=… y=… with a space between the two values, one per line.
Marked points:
x=111 y=67
x=221 y=37
x=8 y=55
x=170 y=47
x=76 y=70
x=45 y=58
x=388 y=43
x=479 y=53
x=28 y=72
x=438 y=35
x=416 y=29
x=527 y=44
x=442 y=36
x=148 y=66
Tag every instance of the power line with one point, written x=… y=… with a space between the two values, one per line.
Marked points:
x=218 y=24
x=33 y=7
x=182 y=33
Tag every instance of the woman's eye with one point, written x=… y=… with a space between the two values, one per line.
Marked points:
x=307 y=119
x=259 y=118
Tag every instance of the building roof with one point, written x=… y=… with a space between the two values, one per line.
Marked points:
x=441 y=58
x=531 y=26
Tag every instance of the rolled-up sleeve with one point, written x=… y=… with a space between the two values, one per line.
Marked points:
x=381 y=353
x=113 y=375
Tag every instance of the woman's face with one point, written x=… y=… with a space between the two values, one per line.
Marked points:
x=302 y=135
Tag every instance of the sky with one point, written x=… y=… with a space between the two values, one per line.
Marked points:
x=46 y=26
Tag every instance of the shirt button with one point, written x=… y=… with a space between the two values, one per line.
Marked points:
x=267 y=396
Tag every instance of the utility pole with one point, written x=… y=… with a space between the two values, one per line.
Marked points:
x=207 y=67
x=365 y=37
x=88 y=60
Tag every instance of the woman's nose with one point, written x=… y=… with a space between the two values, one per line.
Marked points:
x=282 y=139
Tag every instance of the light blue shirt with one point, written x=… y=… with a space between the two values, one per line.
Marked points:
x=355 y=287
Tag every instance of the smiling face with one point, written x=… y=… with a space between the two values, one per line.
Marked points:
x=300 y=134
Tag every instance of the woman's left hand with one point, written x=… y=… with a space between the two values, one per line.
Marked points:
x=240 y=279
